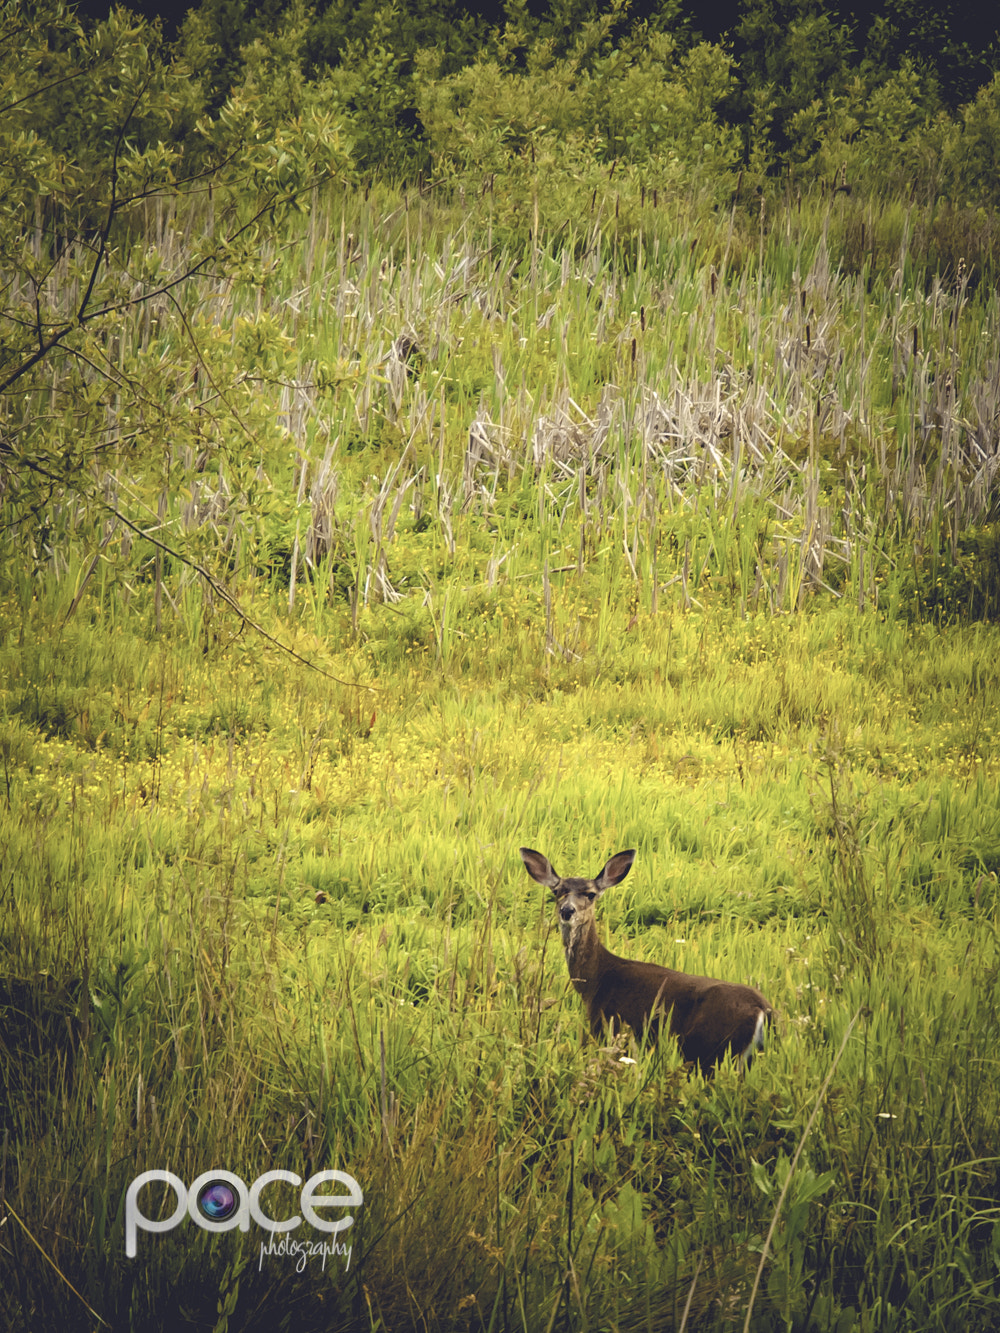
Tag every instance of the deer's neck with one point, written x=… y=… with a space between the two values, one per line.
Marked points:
x=583 y=951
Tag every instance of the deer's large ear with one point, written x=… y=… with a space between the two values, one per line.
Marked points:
x=615 y=870
x=539 y=867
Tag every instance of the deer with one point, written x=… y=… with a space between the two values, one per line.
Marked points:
x=708 y=1018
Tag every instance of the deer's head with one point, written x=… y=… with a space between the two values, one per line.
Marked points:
x=575 y=897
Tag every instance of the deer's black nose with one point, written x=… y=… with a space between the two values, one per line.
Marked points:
x=567 y=911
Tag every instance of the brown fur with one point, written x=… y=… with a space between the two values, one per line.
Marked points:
x=707 y=1017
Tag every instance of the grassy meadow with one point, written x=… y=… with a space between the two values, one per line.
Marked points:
x=438 y=535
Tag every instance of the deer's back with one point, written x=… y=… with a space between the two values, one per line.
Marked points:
x=706 y=1016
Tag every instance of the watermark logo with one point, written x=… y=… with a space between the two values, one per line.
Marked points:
x=220 y=1201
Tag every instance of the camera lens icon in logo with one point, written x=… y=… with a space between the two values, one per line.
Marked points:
x=218 y=1200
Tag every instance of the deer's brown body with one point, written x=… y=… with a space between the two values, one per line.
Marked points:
x=707 y=1017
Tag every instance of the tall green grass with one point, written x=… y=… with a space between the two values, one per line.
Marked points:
x=247 y=926
x=642 y=547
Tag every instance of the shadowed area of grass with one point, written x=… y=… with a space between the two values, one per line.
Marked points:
x=670 y=555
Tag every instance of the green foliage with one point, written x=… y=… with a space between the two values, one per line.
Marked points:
x=960 y=582
x=128 y=113
x=954 y=44
x=372 y=92
x=339 y=30
x=120 y=235
x=791 y=55
x=656 y=108
x=214 y=35
x=871 y=132
x=210 y=958
x=973 y=161
x=285 y=133
x=353 y=535
x=544 y=130
x=797 y=1188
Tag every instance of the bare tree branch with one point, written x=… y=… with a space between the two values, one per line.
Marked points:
x=220 y=590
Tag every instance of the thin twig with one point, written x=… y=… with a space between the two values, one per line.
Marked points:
x=221 y=591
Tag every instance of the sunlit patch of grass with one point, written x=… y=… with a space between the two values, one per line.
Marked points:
x=263 y=915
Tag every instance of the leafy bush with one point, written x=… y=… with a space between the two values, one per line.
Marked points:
x=546 y=130
x=973 y=162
